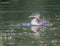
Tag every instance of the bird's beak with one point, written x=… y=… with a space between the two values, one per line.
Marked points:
x=30 y=17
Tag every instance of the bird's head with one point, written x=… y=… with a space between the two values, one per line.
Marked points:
x=35 y=15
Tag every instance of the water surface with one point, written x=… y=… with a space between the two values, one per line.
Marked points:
x=18 y=12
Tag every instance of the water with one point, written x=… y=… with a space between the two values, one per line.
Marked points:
x=18 y=12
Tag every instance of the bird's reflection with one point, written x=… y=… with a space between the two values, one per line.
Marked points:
x=35 y=28
x=36 y=32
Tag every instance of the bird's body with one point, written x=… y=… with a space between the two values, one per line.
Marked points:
x=39 y=22
x=35 y=22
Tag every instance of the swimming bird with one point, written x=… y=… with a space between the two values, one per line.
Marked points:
x=37 y=20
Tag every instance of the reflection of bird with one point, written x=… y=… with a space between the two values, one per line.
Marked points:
x=38 y=28
x=37 y=21
x=35 y=28
x=36 y=33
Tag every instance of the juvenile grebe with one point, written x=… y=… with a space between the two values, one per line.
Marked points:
x=37 y=21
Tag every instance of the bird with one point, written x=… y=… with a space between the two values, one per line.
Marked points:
x=37 y=21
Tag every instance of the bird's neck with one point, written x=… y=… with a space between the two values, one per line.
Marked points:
x=38 y=20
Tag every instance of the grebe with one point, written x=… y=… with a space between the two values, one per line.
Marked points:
x=37 y=21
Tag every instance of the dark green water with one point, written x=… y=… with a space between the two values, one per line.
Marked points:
x=17 y=11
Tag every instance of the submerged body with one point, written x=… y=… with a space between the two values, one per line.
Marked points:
x=33 y=23
x=36 y=21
